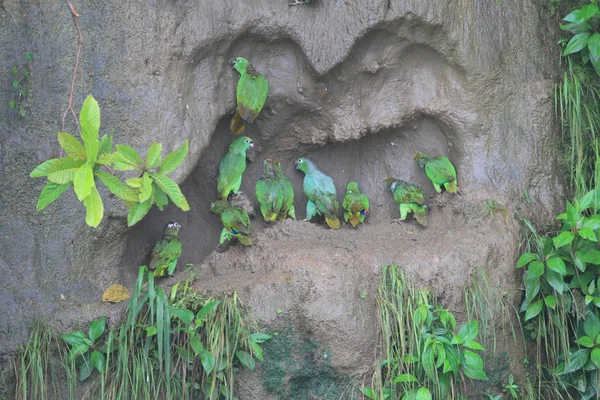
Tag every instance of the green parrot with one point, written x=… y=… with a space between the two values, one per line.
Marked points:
x=440 y=171
x=232 y=167
x=409 y=198
x=167 y=251
x=235 y=220
x=251 y=94
x=269 y=192
x=320 y=190
x=356 y=205
x=287 y=205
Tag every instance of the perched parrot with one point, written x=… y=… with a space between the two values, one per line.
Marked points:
x=251 y=94
x=320 y=190
x=356 y=205
x=269 y=192
x=440 y=171
x=409 y=198
x=232 y=167
x=287 y=205
x=235 y=220
x=167 y=251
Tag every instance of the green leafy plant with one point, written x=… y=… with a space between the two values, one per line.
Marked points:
x=21 y=83
x=584 y=23
x=511 y=388
x=87 y=350
x=82 y=167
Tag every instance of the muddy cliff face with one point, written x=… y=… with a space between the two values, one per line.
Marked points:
x=358 y=87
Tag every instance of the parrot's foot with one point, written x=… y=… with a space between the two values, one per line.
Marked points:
x=399 y=221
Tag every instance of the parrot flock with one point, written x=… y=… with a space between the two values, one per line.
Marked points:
x=274 y=191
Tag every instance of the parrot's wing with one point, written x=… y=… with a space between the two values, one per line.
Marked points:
x=230 y=170
x=251 y=95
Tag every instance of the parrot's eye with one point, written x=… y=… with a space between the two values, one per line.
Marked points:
x=299 y=160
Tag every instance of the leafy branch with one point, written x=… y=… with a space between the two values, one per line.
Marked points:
x=83 y=165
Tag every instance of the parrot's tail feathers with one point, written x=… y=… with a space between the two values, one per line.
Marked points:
x=246 y=240
x=354 y=219
x=237 y=124
x=333 y=222
x=269 y=216
x=421 y=216
x=451 y=186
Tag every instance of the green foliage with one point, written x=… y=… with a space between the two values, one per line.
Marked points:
x=82 y=168
x=87 y=349
x=584 y=23
x=21 y=83
x=562 y=297
x=425 y=356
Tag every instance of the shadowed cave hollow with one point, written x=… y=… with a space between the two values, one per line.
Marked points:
x=368 y=161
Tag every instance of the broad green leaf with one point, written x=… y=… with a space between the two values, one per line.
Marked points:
x=145 y=188
x=581 y=15
x=55 y=165
x=127 y=157
x=368 y=392
x=575 y=28
x=246 y=359
x=577 y=360
x=423 y=394
x=428 y=363
x=94 y=209
x=91 y=150
x=591 y=256
x=172 y=190
x=78 y=349
x=577 y=43
x=579 y=262
x=563 y=239
x=184 y=354
x=257 y=351
x=89 y=120
x=134 y=182
x=557 y=265
x=572 y=214
x=533 y=310
x=96 y=329
x=591 y=325
x=153 y=156
x=592 y=222
x=587 y=199
x=259 y=337
x=208 y=307
x=186 y=316
x=469 y=331
x=208 y=361
x=86 y=369
x=532 y=288
x=117 y=187
x=72 y=147
x=151 y=330
x=405 y=378
x=473 y=345
x=104 y=159
x=174 y=159
x=535 y=269
x=525 y=259
x=106 y=143
x=50 y=193
x=473 y=366
x=97 y=360
x=550 y=301
x=84 y=181
x=588 y=299
x=594 y=46
x=596 y=65
x=588 y=234
x=196 y=344
x=160 y=197
x=137 y=211
x=74 y=338
x=595 y=357
x=585 y=341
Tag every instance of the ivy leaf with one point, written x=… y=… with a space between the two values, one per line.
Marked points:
x=591 y=325
x=160 y=197
x=588 y=234
x=577 y=43
x=94 y=209
x=577 y=360
x=563 y=239
x=550 y=301
x=72 y=147
x=585 y=341
x=97 y=360
x=533 y=310
x=50 y=193
x=172 y=190
x=153 y=156
x=473 y=366
x=557 y=265
x=83 y=182
x=117 y=187
x=127 y=158
x=246 y=359
x=137 y=211
x=145 y=188
x=89 y=120
x=96 y=329
x=174 y=159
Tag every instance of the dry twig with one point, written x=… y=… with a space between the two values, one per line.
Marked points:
x=75 y=16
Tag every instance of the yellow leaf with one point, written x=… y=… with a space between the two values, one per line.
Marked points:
x=116 y=293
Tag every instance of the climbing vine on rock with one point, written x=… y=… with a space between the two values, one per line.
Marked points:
x=84 y=164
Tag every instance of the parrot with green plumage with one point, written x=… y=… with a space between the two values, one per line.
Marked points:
x=275 y=193
x=235 y=220
x=356 y=205
x=320 y=190
x=440 y=171
x=409 y=198
x=232 y=167
x=251 y=94
x=287 y=205
x=167 y=251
